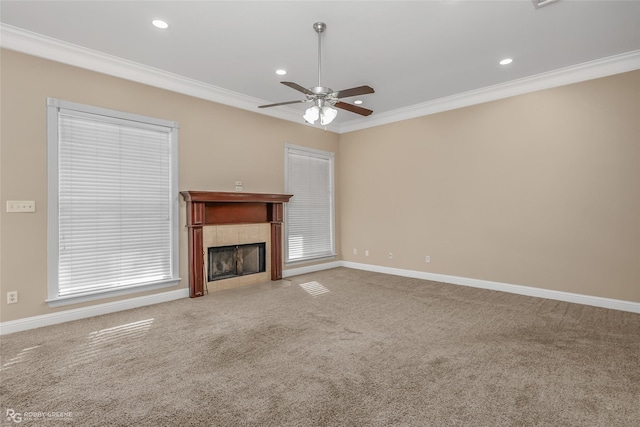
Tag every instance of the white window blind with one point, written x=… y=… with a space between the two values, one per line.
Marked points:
x=309 y=220
x=113 y=213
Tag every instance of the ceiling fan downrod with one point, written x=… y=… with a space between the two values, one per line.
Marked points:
x=319 y=27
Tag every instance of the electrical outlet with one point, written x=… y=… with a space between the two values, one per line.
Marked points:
x=12 y=297
x=238 y=188
x=238 y=183
x=21 y=206
x=390 y=255
x=427 y=259
x=366 y=253
x=355 y=251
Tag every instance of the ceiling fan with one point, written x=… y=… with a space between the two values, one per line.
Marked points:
x=324 y=98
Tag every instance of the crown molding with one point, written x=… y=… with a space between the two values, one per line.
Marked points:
x=608 y=66
x=31 y=43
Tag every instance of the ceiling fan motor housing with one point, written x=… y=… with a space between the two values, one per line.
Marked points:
x=321 y=91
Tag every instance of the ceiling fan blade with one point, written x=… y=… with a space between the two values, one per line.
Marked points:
x=353 y=108
x=283 y=103
x=354 y=91
x=297 y=87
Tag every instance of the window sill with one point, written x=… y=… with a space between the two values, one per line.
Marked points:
x=93 y=296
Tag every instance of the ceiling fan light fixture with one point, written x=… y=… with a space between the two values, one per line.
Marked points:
x=327 y=114
x=312 y=114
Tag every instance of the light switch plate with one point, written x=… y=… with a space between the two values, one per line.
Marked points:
x=21 y=206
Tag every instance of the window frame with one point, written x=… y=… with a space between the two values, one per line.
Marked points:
x=54 y=106
x=325 y=155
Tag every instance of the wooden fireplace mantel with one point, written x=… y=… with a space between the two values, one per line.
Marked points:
x=220 y=208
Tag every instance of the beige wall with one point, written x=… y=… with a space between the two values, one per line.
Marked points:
x=218 y=145
x=540 y=190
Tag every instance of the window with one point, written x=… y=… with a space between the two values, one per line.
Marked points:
x=309 y=215
x=113 y=202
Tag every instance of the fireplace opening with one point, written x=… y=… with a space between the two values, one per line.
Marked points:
x=235 y=260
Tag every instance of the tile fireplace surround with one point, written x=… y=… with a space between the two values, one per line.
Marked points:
x=230 y=235
x=211 y=208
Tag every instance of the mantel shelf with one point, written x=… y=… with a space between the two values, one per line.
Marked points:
x=223 y=197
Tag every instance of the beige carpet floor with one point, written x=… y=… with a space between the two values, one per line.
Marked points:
x=340 y=347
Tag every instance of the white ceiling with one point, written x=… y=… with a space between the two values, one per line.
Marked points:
x=419 y=56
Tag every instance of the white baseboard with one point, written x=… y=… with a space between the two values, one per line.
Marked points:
x=112 y=307
x=633 y=307
x=90 y=311
x=311 y=268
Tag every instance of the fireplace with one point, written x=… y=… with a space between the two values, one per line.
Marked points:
x=225 y=262
x=212 y=217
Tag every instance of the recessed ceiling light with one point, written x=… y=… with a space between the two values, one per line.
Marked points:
x=281 y=72
x=506 y=61
x=159 y=23
x=540 y=3
x=357 y=101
